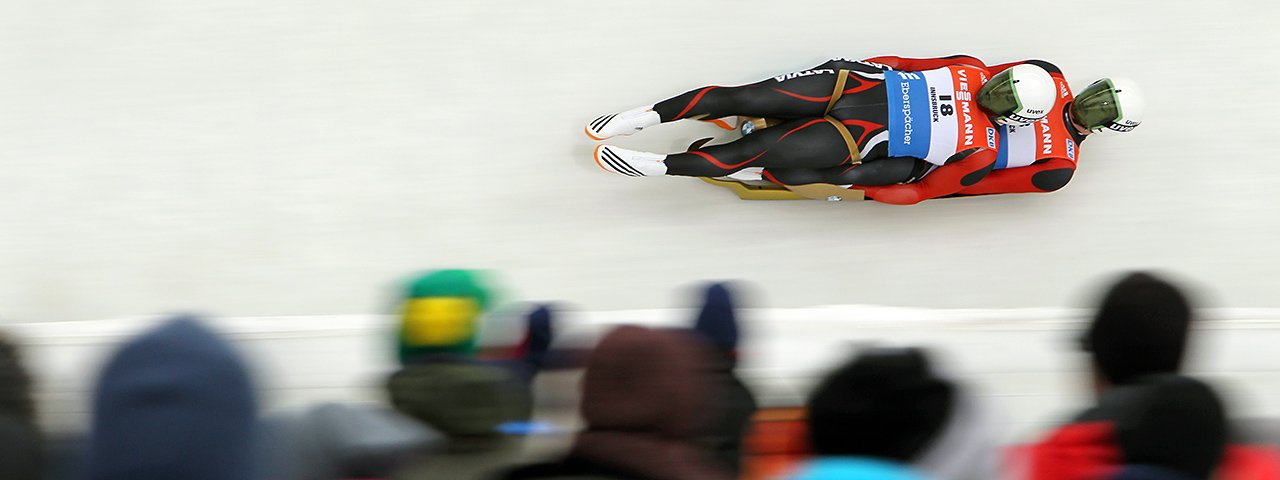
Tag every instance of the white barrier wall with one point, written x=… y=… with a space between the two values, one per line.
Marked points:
x=1020 y=362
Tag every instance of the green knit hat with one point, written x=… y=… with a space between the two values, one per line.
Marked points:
x=440 y=313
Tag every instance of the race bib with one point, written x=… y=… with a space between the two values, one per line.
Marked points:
x=933 y=114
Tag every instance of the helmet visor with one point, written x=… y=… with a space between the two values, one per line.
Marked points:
x=1097 y=107
x=998 y=95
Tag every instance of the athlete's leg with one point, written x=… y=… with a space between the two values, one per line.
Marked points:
x=788 y=96
x=778 y=97
x=878 y=172
x=803 y=143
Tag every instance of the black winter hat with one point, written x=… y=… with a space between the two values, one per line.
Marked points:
x=884 y=403
x=1139 y=329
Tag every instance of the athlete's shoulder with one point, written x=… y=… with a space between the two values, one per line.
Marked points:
x=930 y=63
x=966 y=60
x=1048 y=67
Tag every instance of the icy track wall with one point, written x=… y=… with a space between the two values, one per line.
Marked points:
x=1020 y=362
x=295 y=157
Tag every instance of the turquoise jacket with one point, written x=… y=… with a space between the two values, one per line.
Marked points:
x=852 y=468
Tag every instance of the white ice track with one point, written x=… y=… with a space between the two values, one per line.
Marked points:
x=295 y=157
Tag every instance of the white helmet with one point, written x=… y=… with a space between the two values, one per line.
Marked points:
x=1109 y=104
x=1019 y=95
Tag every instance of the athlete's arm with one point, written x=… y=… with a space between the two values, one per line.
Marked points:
x=946 y=180
x=1043 y=176
x=878 y=172
x=920 y=64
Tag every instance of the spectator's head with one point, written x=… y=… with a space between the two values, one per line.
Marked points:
x=644 y=399
x=884 y=403
x=1171 y=423
x=1140 y=329
x=648 y=381
x=175 y=402
x=440 y=314
x=717 y=320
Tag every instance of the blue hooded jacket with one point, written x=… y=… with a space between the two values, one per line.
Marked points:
x=173 y=403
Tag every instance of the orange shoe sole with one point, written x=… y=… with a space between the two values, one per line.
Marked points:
x=596 y=154
x=587 y=130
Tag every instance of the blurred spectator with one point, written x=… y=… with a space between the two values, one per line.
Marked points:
x=644 y=402
x=1160 y=427
x=445 y=386
x=1140 y=330
x=965 y=447
x=732 y=404
x=441 y=381
x=872 y=417
x=441 y=317
x=20 y=439
x=175 y=402
x=332 y=441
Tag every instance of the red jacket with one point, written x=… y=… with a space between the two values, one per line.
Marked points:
x=948 y=179
x=1087 y=451
x=1054 y=162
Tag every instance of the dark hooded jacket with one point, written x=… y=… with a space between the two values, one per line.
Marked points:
x=644 y=401
x=173 y=403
